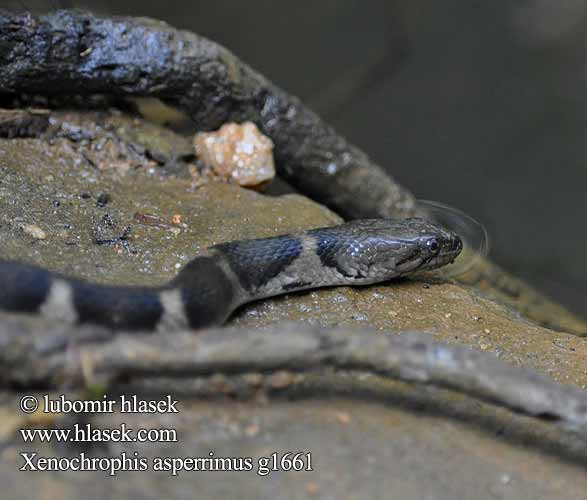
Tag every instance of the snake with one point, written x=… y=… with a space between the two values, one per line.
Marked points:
x=225 y=276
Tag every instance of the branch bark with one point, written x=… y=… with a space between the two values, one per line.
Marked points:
x=72 y=52
x=28 y=357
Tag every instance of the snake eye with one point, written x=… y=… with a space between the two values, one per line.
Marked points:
x=433 y=245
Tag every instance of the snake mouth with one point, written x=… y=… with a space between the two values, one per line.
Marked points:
x=450 y=250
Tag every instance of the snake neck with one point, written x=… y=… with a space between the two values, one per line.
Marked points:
x=273 y=266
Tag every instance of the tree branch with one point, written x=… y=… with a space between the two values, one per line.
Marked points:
x=28 y=357
x=72 y=52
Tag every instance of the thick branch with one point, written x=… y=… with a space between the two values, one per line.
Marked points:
x=34 y=358
x=72 y=52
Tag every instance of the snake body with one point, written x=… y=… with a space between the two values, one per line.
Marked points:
x=225 y=276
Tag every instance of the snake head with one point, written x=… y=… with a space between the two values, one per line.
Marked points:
x=422 y=245
x=439 y=249
x=371 y=250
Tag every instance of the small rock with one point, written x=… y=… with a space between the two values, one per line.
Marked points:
x=253 y=379
x=281 y=380
x=343 y=418
x=338 y=299
x=312 y=488
x=103 y=200
x=34 y=231
x=238 y=152
x=252 y=430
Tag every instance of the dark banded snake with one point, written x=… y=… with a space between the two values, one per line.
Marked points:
x=225 y=276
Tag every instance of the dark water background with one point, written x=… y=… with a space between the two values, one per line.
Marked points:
x=480 y=105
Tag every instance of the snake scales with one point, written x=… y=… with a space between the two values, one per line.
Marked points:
x=213 y=284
